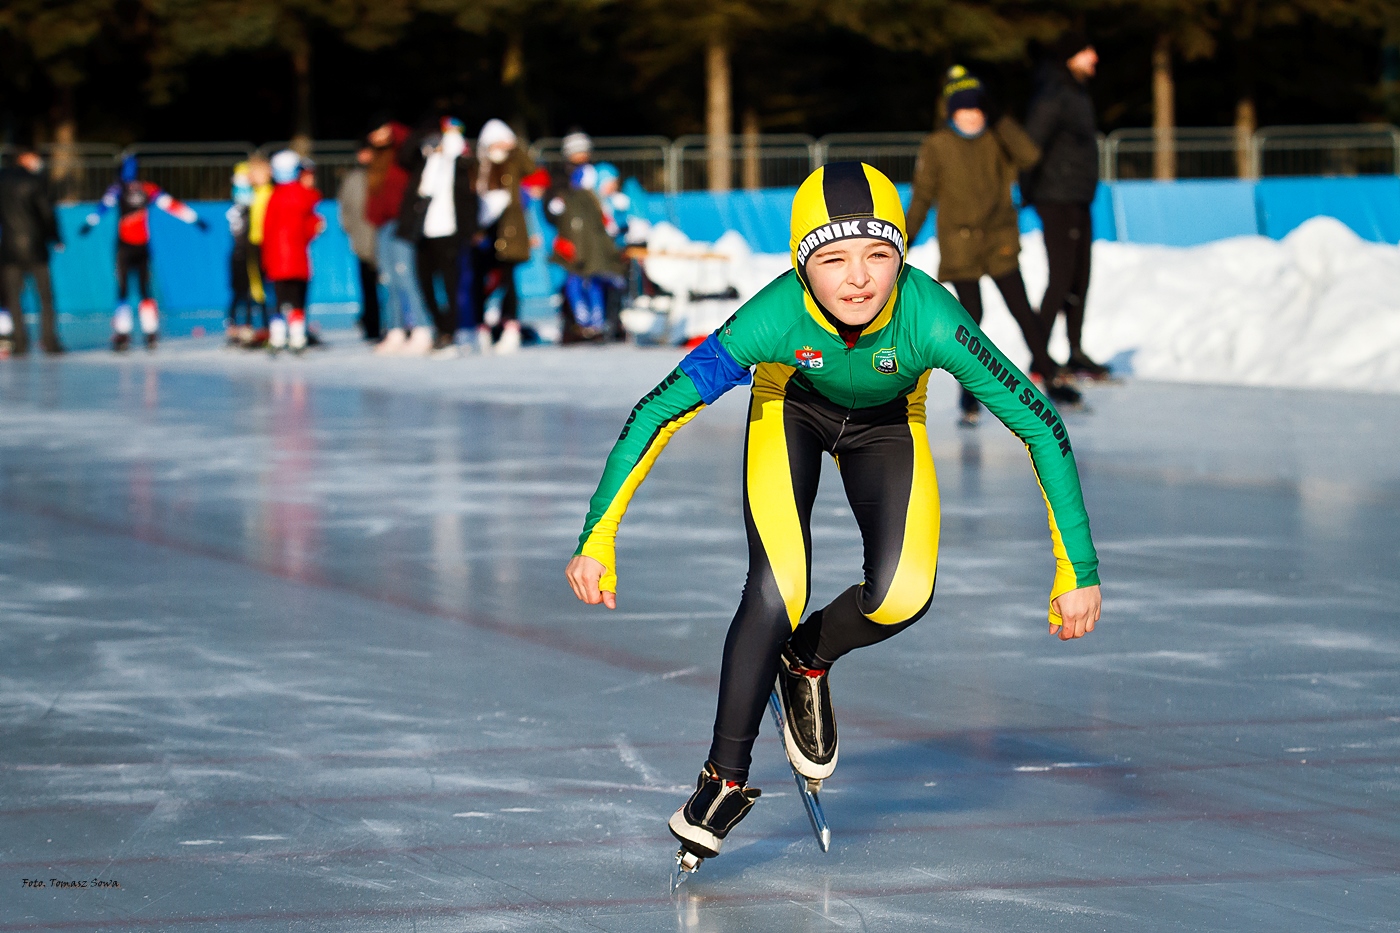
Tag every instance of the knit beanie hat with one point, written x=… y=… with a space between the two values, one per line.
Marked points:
x=1067 y=46
x=286 y=166
x=962 y=91
x=576 y=143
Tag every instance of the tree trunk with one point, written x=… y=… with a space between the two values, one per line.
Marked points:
x=1246 y=122
x=301 y=68
x=513 y=61
x=753 y=173
x=1163 y=111
x=513 y=80
x=718 y=115
x=65 y=169
x=1246 y=117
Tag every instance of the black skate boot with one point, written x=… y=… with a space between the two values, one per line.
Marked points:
x=712 y=811
x=809 y=723
x=1080 y=363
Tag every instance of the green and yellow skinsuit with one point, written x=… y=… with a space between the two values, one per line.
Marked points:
x=857 y=394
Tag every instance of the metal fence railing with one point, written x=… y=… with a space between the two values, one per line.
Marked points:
x=645 y=158
x=1221 y=152
x=202 y=170
x=1327 y=150
x=771 y=160
x=892 y=153
x=1191 y=152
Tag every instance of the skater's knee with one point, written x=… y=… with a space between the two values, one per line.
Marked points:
x=906 y=600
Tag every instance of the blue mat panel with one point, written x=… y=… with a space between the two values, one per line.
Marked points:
x=1183 y=213
x=1369 y=205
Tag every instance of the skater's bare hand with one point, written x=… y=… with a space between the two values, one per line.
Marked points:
x=584 y=574
x=1079 y=609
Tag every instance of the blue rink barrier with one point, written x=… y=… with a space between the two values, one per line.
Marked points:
x=190 y=274
x=1369 y=205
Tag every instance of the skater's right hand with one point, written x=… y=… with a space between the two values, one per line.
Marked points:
x=584 y=574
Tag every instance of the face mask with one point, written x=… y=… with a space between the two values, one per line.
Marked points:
x=453 y=145
x=243 y=193
x=497 y=154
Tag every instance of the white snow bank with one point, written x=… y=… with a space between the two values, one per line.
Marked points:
x=1320 y=308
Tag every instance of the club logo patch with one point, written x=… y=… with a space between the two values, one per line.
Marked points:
x=885 y=361
x=807 y=358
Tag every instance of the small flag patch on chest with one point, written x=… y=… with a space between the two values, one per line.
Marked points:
x=807 y=358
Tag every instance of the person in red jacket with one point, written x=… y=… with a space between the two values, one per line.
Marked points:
x=291 y=224
x=398 y=267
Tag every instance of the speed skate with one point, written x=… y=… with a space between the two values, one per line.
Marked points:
x=807 y=788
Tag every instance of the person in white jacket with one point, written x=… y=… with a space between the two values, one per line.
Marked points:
x=449 y=222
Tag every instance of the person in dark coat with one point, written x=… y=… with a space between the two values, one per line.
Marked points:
x=966 y=167
x=28 y=226
x=1061 y=122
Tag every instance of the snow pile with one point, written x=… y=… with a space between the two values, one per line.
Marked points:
x=1320 y=308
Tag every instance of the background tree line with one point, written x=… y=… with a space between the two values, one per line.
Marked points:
x=122 y=70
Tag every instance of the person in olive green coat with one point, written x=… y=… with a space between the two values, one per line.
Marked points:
x=966 y=168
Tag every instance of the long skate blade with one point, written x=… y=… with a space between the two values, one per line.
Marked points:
x=775 y=706
x=810 y=800
x=686 y=865
x=814 y=812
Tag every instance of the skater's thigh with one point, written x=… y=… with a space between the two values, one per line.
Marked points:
x=893 y=491
x=782 y=467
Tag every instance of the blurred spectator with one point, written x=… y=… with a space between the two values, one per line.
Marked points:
x=244 y=266
x=449 y=222
x=616 y=205
x=587 y=253
x=966 y=168
x=503 y=240
x=28 y=226
x=1061 y=122
x=133 y=198
x=260 y=177
x=577 y=148
x=352 y=200
x=387 y=183
x=291 y=224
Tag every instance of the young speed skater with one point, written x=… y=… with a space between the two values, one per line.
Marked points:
x=839 y=351
x=245 y=264
x=288 y=229
x=133 y=199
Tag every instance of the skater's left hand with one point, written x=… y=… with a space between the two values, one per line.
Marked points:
x=1080 y=610
x=584 y=574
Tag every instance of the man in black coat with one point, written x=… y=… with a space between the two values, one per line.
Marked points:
x=27 y=227
x=1061 y=122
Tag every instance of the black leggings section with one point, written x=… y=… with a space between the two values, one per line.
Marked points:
x=369 y=300
x=488 y=274
x=1013 y=292
x=878 y=461
x=291 y=295
x=1069 y=241
x=12 y=290
x=133 y=258
x=440 y=256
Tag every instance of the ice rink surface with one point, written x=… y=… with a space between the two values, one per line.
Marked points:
x=286 y=645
